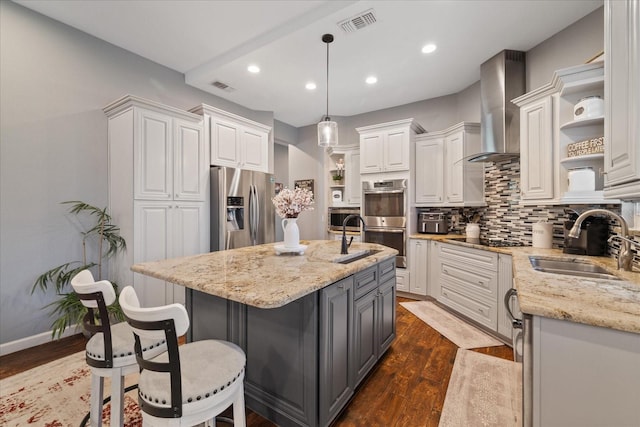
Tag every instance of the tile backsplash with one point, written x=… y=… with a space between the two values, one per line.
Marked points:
x=504 y=218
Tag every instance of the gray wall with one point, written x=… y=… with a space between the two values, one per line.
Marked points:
x=572 y=46
x=54 y=81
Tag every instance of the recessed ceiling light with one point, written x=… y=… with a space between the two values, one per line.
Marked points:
x=371 y=80
x=253 y=69
x=428 y=48
x=310 y=86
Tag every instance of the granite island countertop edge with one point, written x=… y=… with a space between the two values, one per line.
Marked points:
x=256 y=276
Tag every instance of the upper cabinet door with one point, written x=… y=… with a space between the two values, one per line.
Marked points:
x=191 y=167
x=396 y=150
x=622 y=99
x=536 y=146
x=429 y=186
x=371 y=153
x=225 y=143
x=153 y=157
x=454 y=173
x=254 y=145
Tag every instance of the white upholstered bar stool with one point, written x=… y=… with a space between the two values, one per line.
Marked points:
x=110 y=351
x=191 y=383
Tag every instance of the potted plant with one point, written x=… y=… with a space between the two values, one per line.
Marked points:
x=68 y=309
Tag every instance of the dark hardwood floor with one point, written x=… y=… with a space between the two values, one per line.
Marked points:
x=406 y=389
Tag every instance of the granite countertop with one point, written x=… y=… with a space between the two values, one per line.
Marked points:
x=256 y=276
x=608 y=303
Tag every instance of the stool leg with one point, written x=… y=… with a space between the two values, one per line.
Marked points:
x=238 y=410
x=117 y=398
x=97 y=383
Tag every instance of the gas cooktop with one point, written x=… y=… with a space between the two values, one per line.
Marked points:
x=494 y=243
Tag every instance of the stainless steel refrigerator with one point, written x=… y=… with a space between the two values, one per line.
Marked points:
x=242 y=213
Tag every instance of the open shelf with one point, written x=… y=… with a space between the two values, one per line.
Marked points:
x=583 y=122
x=571 y=161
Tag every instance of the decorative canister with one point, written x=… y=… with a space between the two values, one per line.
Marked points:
x=588 y=108
x=472 y=231
x=543 y=235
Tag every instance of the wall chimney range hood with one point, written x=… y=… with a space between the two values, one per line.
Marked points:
x=502 y=78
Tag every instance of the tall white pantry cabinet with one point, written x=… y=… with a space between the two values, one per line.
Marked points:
x=158 y=175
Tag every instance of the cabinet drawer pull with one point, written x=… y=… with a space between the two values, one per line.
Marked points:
x=341 y=286
x=480 y=282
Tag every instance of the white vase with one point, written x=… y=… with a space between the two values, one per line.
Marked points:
x=291 y=233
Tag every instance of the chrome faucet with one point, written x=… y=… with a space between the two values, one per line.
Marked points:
x=624 y=255
x=343 y=250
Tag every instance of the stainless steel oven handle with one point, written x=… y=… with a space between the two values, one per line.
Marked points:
x=385 y=230
x=517 y=323
x=383 y=191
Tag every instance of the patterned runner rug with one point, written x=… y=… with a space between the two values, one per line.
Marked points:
x=456 y=330
x=483 y=391
x=57 y=395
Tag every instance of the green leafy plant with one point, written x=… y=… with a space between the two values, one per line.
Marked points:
x=68 y=310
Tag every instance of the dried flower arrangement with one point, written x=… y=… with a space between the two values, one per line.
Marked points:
x=289 y=203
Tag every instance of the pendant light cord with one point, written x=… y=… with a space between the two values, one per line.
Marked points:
x=327 y=116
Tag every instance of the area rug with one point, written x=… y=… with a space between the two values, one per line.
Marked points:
x=483 y=391
x=57 y=395
x=456 y=330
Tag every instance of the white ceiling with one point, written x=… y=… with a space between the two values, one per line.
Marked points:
x=217 y=40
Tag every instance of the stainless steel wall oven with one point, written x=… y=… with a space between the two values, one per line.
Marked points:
x=384 y=212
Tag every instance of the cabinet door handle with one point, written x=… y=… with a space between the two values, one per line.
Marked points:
x=177 y=195
x=340 y=286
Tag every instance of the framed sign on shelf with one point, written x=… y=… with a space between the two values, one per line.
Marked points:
x=304 y=183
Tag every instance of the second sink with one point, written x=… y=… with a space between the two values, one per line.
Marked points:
x=571 y=267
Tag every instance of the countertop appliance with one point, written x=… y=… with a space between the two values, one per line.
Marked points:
x=384 y=212
x=242 y=213
x=337 y=215
x=433 y=223
x=594 y=232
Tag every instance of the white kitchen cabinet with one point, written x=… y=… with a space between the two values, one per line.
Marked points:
x=158 y=190
x=235 y=141
x=548 y=127
x=166 y=230
x=418 y=267
x=386 y=147
x=536 y=149
x=443 y=176
x=622 y=99
x=429 y=170
x=472 y=282
x=584 y=375
x=170 y=156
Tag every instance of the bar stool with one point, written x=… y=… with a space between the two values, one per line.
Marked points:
x=110 y=351
x=191 y=383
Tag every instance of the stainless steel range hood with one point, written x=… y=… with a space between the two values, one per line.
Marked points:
x=502 y=78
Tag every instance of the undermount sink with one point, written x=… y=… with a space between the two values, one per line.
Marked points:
x=571 y=268
x=355 y=256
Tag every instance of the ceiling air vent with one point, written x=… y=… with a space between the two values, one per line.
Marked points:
x=358 y=22
x=223 y=86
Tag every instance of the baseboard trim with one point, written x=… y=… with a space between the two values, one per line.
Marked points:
x=32 y=341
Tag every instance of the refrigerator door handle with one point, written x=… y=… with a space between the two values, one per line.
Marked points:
x=256 y=215
x=252 y=214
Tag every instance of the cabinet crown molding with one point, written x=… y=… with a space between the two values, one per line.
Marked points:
x=462 y=126
x=561 y=81
x=213 y=111
x=389 y=125
x=129 y=101
x=341 y=149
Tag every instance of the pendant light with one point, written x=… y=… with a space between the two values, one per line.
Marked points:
x=327 y=129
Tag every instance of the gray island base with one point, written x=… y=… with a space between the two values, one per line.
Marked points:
x=311 y=328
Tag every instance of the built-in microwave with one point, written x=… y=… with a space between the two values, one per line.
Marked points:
x=337 y=216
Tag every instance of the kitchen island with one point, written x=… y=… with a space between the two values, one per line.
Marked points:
x=312 y=327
